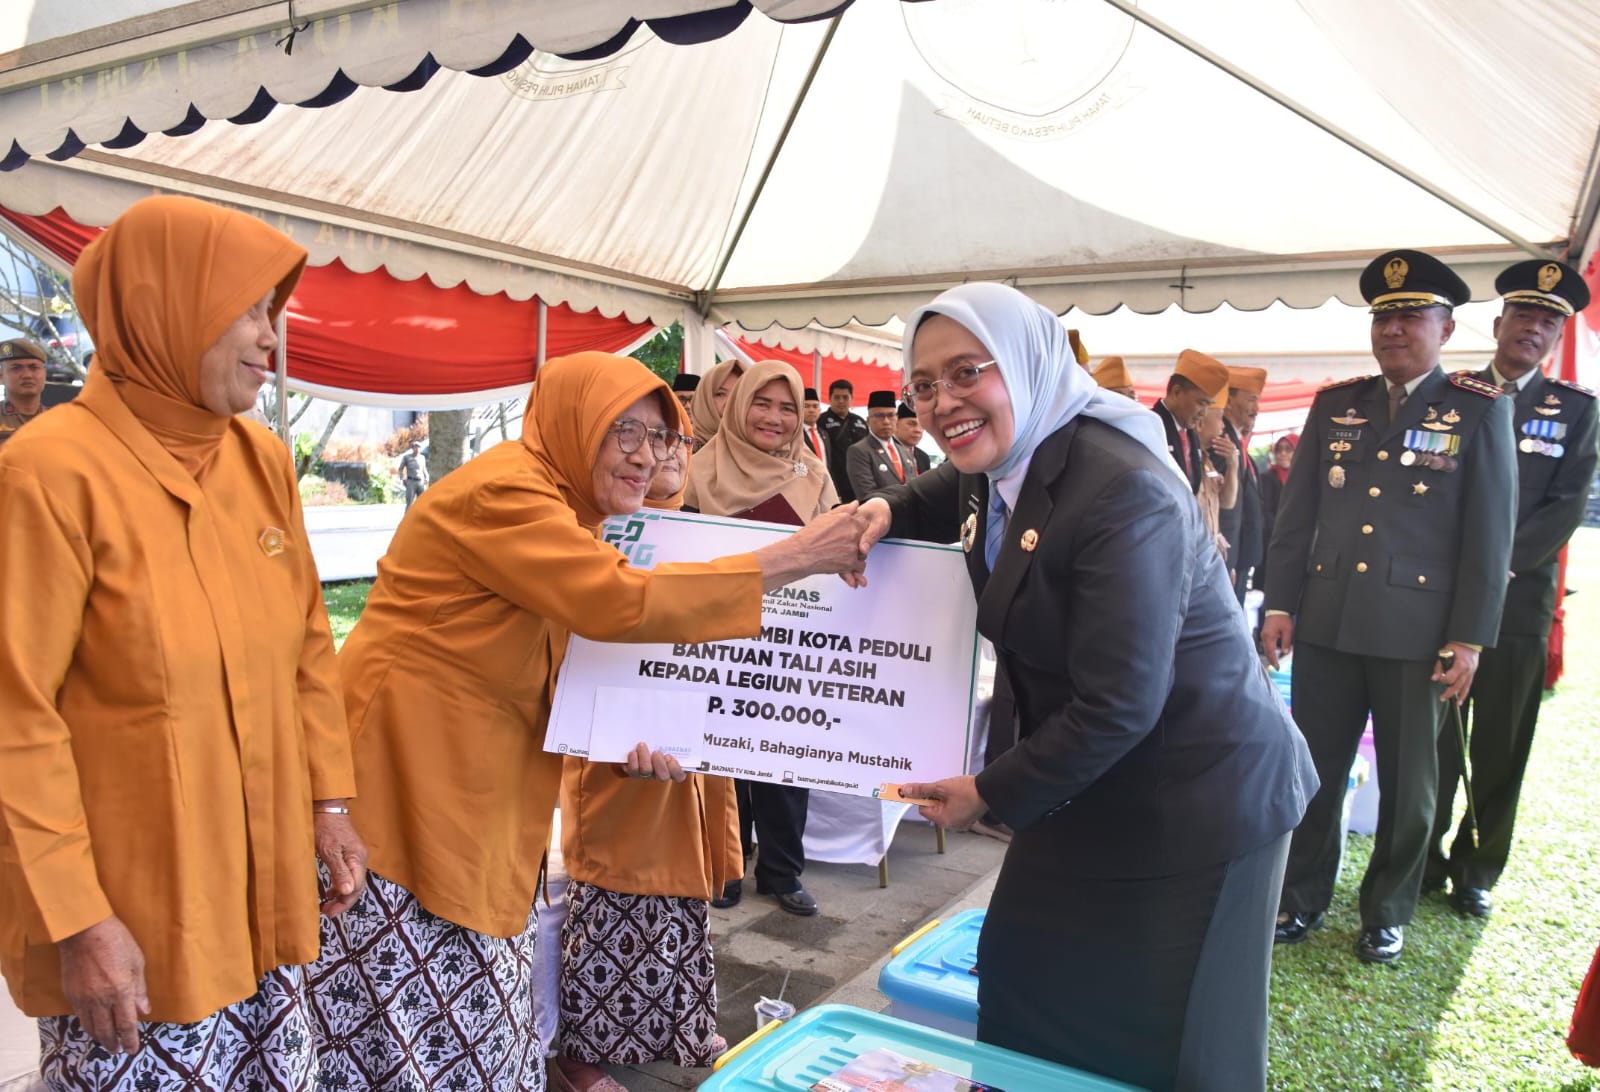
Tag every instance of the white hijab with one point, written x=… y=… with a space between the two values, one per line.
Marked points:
x=1047 y=386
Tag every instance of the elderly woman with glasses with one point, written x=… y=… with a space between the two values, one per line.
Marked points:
x=1155 y=775
x=448 y=680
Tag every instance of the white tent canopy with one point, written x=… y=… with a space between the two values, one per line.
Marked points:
x=832 y=171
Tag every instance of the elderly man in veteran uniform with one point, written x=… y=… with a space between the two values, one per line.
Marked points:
x=1245 y=387
x=1554 y=423
x=1111 y=374
x=22 y=370
x=1197 y=381
x=1386 y=574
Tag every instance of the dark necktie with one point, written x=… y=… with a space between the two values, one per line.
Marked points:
x=1397 y=398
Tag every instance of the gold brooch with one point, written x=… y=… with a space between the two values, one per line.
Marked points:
x=271 y=541
x=1420 y=488
x=969 y=532
x=1030 y=539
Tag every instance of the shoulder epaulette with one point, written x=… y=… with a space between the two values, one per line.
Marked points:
x=1469 y=381
x=1571 y=386
x=1345 y=383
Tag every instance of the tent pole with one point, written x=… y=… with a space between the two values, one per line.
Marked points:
x=544 y=314
x=703 y=300
x=816 y=369
x=280 y=377
x=1178 y=37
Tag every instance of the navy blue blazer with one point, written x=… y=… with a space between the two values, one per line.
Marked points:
x=1149 y=739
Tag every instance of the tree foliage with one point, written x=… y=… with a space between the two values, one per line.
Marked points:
x=663 y=353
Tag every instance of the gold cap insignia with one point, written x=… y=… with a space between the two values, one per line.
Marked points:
x=272 y=542
x=969 y=532
x=1030 y=539
x=1394 y=274
x=1549 y=276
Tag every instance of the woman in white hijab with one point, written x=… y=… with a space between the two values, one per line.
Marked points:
x=1154 y=776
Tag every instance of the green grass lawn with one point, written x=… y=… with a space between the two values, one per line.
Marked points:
x=345 y=600
x=1472 y=1005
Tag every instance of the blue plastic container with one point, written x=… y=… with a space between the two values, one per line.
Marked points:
x=792 y=1056
x=1280 y=679
x=930 y=981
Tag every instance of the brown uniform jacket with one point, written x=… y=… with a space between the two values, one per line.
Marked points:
x=171 y=708
x=449 y=675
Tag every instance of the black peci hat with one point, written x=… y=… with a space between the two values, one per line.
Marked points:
x=810 y=395
x=685 y=382
x=1542 y=283
x=1399 y=279
x=882 y=400
x=905 y=411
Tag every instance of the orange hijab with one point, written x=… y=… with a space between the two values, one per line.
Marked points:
x=703 y=413
x=156 y=290
x=574 y=403
x=731 y=474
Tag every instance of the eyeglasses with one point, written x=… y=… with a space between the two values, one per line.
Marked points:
x=631 y=434
x=963 y=377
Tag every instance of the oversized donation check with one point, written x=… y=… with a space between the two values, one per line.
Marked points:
x=845 y=689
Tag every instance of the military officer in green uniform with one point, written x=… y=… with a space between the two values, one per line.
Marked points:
x=22 y=371
x=1386 y=575
x=1554 y=423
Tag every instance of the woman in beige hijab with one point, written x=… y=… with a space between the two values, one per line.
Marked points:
x=705 y=413
x=759 y=455
x=758 y=467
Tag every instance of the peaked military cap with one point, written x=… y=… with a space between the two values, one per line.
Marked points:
x=1399 y=279
x=1540 y=282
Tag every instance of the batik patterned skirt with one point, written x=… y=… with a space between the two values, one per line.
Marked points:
x=404 y=1001
x=637 y=980
x=263 y=1043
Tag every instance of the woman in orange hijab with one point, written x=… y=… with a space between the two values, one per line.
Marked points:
x=448 y=680
x=173 y=752
x=759 y=467
x=637 y=937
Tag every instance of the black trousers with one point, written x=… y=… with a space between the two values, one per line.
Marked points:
x=1332 y=693
x=777 y=814
x=1160 y=982
x=1501 y=714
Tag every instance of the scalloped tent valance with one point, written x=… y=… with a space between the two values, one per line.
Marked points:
x=793 y=162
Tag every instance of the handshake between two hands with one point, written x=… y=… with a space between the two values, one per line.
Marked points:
x=839 y=541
